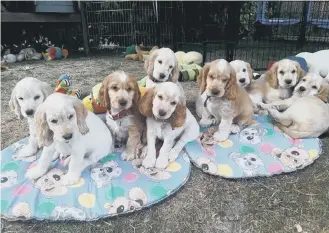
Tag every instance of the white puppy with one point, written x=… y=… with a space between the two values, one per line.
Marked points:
x=161 y=67
x=26 y=96
x=317 y=62
x=65 y=126
x=244 y=74
x=169 y=120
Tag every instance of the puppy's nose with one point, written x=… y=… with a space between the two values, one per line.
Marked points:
x=242 y=80
x=162 y=112
x=29 y=112
x=122 y=102
x=67 y=136
x=288 y=81
x=162 y=76
x=215 y=91
x=302 y=89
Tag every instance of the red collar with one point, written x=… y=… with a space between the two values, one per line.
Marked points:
x=119 y=115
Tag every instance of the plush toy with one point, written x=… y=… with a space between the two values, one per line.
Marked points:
x=188 y=72
x=317 y=62
x=53 y=53
x=10 y=58
x=30 y=54
x=189 y=58
x=63 y=86
x=135 y=53
x=92 y=102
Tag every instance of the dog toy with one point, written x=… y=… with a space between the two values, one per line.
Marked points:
x=10 y=58
x=53 y=53
x=135 y=53
x=188 y=72
x=189 y=58
x=63 y=86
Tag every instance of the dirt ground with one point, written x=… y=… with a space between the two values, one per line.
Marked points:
x=206 y=203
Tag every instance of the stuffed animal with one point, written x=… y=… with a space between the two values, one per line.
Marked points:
x=189 y=58
x=135 y=53
x=63 y=86
x=30 y=54
x=53 y=53
x=10 y=58
x=317 y=62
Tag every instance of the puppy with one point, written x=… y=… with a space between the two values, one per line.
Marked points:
x=244 y=73
x=120 y=94
x=277 y=83
x=26 y=96
x=167 y=119
x=310 y=85
x=65 y=126
x=161 y=67
x=225 y=99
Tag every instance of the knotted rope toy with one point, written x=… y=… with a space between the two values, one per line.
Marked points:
x=63 y=86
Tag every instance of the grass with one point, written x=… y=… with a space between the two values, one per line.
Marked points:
x=206 y=203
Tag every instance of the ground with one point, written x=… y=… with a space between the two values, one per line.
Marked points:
x=206 y=203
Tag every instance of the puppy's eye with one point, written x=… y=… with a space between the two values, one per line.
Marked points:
x=173 y=103
x=244 y=70
x=160 y=62
x=160 y=97
x=20 y=98
x=314 y=87
x=36 y=97
x=294 y=71
x=70 y=116
x=211 y=77
x=129 y=89
x=304 y=80
x=170 y=67
x=54 y=121
x=115 y=88
x=281 y=72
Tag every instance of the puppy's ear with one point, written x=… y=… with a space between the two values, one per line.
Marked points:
x=45 y=89
x=271 y=76
x=43 y=133
x=231 y=86
x=146 y=103
x=324 y=92
x=137 y=95
x=149 y=64
x=82 y=113
x=202 y=78
x=14 y=105
x=175 y=72
x=300 y=71
x=250 y=71
x=179 y=116
x=103 y=94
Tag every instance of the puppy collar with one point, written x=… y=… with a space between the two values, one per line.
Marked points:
x=119 y=115
x=155 y=80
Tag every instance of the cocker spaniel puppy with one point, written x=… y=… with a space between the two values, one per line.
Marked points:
x=306 y=112
x=225 y=100
x=310 y=85
x=277 y=83
x=120 y=94
x=26 y=97
x=162 y=66
x=169 y=120
x=244 y=73
x=65 y=126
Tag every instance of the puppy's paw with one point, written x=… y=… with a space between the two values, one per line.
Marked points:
x=35 y=173
x=205 y=122
x=220 y=137
x=263 y=112
x=263 y=106
x=162 y=162
x=70 y=178
x=173 y=154
x=235 y=129
x=149 y=162
x=66 y=161
x=127 y=156
x=26 y=153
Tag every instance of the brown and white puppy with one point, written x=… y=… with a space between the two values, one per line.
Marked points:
x=225 y=99
x=120 y=94
x=244 y=74
x=162 y=66
x=169 y=120
x=277 y=83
